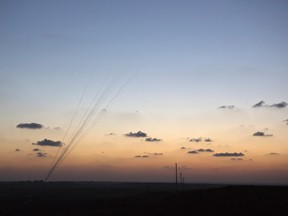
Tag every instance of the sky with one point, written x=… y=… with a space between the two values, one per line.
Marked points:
x=199 y=83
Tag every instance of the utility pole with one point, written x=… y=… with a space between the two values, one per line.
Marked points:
x=176 y=176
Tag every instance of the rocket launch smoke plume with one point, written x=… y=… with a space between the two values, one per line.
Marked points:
x=95 y=111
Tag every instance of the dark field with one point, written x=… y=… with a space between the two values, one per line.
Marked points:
x=96 y=198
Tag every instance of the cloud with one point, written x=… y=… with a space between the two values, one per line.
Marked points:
x=40 y=154
x=227 y=107
x=193 y=152
x=137 y=134
x=262 y=134
x=200 y=140
x=273 y=153
x=283 y=104
x=149 y=139
x=205 y=150
x=286 y=121
x=200 y=150
x=29 y=126
x=183 y=147
x=238 y=159
x=158 y=154
x=141 y=156
x=280 y=105
x=208 y=140
x=227 y=154
x=47 y=142
x=259 y=104
x=195 y=140
x=17 y=150
x=36 y=149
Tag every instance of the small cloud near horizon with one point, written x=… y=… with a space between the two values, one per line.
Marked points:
x=228 y=154
x=195 y=140
x=230 y=107
x=149 y=139
x=137 y=134
x=262 y=134
x=30 y=126
x=273 y=154
x=200 y=150
x=141 y=156
x=47 y=142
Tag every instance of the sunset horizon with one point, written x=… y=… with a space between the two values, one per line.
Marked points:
x=120 y=91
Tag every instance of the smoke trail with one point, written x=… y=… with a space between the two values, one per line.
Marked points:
x=88 y=120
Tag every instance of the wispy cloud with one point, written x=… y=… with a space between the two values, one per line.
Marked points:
x=273 y=154
x=230 y=107
x=262 y=103
x=228 y=154
x=47 y=142
x=237 y=159
x=195 y=140
x=259 y=104
x=137 y=134
x=200 y=140
x=29 y=126
x=141 y=156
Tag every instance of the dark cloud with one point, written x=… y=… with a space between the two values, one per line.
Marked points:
x=286 y=121
x=193 y=152
x=205 y=150
x=137 y=134
x=29 y=126
x=227 y=154
x=208 y=140
x=47 y=142
x=280 y=105
x=262 y=134
x=40 y=154
x=149 y=139
x=17 y=150
x=227 y=107
x=259 y=104
x=200 y=151
x=195 y=140
x=183 y=147
x=158 y=154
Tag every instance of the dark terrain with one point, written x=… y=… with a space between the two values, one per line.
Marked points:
x=96 y=198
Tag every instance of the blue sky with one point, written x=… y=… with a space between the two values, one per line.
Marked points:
x=187 y=58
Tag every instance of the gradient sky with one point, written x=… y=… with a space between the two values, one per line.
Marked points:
x=184 y=60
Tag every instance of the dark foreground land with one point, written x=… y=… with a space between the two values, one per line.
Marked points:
x=94 y=198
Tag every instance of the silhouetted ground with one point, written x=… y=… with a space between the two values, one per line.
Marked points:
x=90 y=198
